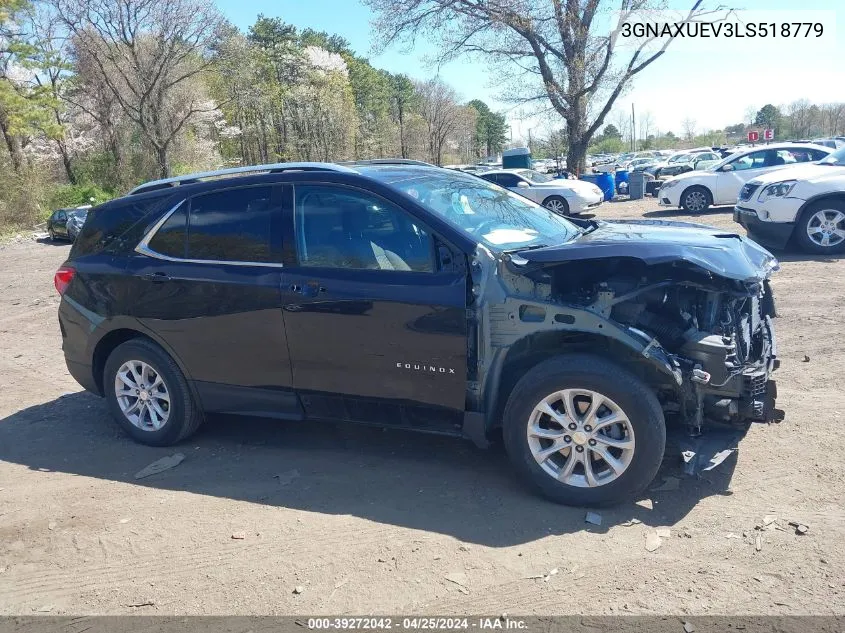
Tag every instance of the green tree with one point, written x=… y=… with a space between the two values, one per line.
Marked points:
x=769 y=115
x=403 y=101
x=610 y=131
x=490 y=129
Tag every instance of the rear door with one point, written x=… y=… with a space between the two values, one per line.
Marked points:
x=374 y=307
x=207 y=283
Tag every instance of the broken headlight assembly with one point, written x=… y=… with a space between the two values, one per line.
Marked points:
x=777 y=190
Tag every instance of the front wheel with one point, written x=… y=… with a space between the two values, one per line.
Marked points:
x=821 y=228
x=147 y=394
x=556 y=204
x=584 y=431
x=696 y=199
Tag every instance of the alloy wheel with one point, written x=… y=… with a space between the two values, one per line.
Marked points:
x=556 y=206
x=695 y=201
x=826 y=227
x=581 y=438
x=142 y=395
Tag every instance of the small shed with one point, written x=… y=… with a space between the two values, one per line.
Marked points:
x=516 y=158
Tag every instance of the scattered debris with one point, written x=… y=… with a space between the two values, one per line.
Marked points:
x=51 y=525
x=551 y=573
x=158 y=466
x=652 y=541
x=758 y=542
x=732 y=535
x=239 y=536
x=137 y=605
x=464 y=548
x=645 y=503
x=663 y=532
x=593 y=517
x=631 y=522
x=124 y=521
x=45 y=609
x=806 y=359
x=669 y=484
x=800 y=528
x=769 y=519
x=688 y=627
x=459 y=578
x=298 y=589
x=287 y=477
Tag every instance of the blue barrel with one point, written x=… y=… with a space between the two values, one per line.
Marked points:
x=621 y=176
x=604 y=182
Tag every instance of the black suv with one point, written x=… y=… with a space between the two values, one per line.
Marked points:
x=402 y=294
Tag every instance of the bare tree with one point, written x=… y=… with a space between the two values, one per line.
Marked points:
x=439 y=108
x=645 y=124
x=800 y=115
x=688 y=126
x=149 y=54
x=575 y=70
x=832 y=118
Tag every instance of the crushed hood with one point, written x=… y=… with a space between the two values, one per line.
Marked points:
x=720 y=252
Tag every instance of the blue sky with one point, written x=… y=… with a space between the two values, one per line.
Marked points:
x=711 y=83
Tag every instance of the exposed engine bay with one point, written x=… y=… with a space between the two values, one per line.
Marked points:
x=716 y=333
x=719 y=331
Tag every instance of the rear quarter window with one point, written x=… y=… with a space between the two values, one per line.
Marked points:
x=119 y=225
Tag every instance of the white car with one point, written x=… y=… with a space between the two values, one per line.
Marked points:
x=806 y=203
x=564 y=196
x=694 y=191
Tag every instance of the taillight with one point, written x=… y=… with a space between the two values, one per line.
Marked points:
x=63 y=277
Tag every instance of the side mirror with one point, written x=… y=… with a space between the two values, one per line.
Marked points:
x=522 y=184
x=727 y=167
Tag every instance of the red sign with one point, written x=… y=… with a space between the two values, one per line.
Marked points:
x=753 y=137
x=768 y=135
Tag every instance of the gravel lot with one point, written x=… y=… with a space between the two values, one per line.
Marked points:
x=360 y=520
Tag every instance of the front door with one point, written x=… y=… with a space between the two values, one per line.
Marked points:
x=372 y=315
x=208 y=286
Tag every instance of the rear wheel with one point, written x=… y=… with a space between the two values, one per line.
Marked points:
x=696 y=199
x=556 y=204
x=584 y=431
x=147 y=394
x=821 y=228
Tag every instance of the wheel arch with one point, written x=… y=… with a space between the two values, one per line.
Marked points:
x=535 y=348
x=111 y=339
x=838 y=196
x=697 y=185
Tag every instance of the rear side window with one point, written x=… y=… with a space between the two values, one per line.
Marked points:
x=170 y=238
x=236 y=225
x=119 y=225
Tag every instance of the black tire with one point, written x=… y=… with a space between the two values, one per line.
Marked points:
x=557 y=200
x=802 y=237
x=631 y=394
x=690 y=199
x=184 y=416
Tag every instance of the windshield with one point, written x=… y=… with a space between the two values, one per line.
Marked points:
x=78 y=213
x=494 y=216
x=534 y=176
x=836 y=158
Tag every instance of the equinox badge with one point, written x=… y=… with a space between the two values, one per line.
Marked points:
x=426 y=368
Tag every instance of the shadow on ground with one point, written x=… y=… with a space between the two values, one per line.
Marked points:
x=665 y=212
x=423 y=482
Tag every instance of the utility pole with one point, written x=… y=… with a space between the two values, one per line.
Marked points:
x=633 y=130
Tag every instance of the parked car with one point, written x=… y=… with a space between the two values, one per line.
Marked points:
x=562 y=195
x=66 y=223
x=832 y=143
x=418 y=297
x=686 y=161
x=805 y=202
x=695 y=191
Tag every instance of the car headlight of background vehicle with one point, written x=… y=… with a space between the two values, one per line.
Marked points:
x=776 y=190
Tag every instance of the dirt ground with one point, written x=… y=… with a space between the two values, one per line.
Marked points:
x=369 y=521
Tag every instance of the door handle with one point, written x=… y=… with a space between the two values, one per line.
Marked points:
x=157 y=277
x=310 y=288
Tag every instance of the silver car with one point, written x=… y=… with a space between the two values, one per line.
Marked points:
x=561 y=195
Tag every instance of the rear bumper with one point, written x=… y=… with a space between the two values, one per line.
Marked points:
x=75 y=329
x=769 y=234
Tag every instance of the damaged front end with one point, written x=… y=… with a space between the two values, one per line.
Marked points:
x=698 y=303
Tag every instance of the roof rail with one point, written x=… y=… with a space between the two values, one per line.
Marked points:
x=387 y=161
x=272 y=168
